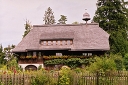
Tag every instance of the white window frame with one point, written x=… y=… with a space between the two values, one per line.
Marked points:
x=58 y=54
x=85 y=54
x=89 y=54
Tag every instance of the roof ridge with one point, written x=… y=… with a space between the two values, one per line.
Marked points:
x=65 y=25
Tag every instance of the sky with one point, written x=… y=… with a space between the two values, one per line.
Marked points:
x=13 y=15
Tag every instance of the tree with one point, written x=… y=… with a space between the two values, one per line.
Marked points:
x=63 y=19
x=2 y=55
x=49 y=17
x=28 y=27
x=102 y=63
x=111 y=16
x=75 y=22
x=125 y=59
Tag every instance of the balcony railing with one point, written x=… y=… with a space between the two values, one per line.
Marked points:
x=30 y=59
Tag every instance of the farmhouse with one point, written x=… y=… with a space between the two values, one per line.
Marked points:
x=61 y=39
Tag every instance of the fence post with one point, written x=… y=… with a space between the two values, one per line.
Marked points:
x=97 y=78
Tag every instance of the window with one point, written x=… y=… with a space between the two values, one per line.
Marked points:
x=44 y=43
x=54 y=42
x=85 y=54
x=68 y=42
x=58 y=54
x=49 y=43
x=57 y=42
x=34 y=53
x=28 y=53
x=63 y=42
x=39 y=54
x=89 y=54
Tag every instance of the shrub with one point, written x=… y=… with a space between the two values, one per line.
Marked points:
x=40 y=67
x=118 y=61
x=102 y=63
x=125 y=61
x=40 y=79
x=64 y=78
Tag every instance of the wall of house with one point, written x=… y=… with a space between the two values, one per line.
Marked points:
x=25 y=65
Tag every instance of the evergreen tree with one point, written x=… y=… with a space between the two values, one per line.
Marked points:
x=49 y=17
x=63 y=19
x=2 y=55
x=27 y=28
x=112 y=17
x=1 y=48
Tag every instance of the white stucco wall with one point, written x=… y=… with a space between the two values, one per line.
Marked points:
x=24 y=65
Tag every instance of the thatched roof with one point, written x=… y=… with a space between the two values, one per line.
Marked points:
x=85 y=37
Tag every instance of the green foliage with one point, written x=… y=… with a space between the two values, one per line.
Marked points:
x=2 y=55
x=118 y=61
x=63 y=19
x=40 y=67
x=64 y=78
x=75 y=22
x=40 y=79
x=102 y=64
x=112 y=16
x=12 y=64
x=74 y=62
x=49 y=17
x=54 y=62
x=125 y=61
x=27 y=28
x=118 y=42
x=71 y=62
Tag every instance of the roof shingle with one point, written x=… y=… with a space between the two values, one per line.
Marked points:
x=85 y=37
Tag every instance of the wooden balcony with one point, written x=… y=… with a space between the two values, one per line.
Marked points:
x=30 y=60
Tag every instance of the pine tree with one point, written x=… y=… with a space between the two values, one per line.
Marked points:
x=112 y=17
x=27 y=28
x=63 y=19
x=49 y=17
x=2 y=55
x=1 y=48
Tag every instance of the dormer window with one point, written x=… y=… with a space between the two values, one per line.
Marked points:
x=57 y=42
x=54 y=43
x=44 y=43
x=49 y=43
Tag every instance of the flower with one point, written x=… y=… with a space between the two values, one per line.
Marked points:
x=28 y=56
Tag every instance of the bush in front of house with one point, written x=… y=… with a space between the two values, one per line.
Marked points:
x=40 y=79
x=64 y=77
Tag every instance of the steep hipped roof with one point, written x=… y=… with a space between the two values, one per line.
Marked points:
x=85 y=37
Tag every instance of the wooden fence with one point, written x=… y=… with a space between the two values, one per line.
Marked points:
x=84 y=78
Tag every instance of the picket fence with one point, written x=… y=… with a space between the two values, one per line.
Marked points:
x=82 y=78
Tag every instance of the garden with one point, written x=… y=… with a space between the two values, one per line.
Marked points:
x=103 y=70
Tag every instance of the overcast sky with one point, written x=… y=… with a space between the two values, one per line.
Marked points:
x=13 y=14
